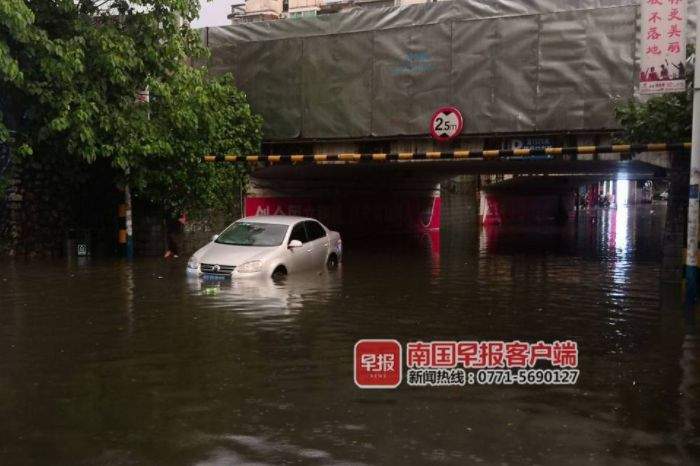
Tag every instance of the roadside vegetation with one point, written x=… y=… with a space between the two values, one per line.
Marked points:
x=71 y=72
x=662 y=118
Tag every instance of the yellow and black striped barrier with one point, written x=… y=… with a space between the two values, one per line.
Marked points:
x=453 y=155
x=125 y=238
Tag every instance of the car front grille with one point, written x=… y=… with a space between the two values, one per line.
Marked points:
x=217 y=269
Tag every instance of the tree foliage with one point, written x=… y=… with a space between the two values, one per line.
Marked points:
x=70 y=73
x=666 y=117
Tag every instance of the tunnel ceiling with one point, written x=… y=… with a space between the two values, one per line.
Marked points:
x=510 y=66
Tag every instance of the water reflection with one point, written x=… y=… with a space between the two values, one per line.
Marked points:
x=621 y=231
x=266 y=299
x=115 y=363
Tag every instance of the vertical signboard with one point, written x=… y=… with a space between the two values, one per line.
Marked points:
x=663 y=46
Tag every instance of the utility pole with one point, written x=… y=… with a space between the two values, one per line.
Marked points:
x=126 y=234
x=691 y=259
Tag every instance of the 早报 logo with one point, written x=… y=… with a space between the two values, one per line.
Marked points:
x=378 y=364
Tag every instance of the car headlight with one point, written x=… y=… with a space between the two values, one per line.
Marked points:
x=250 y=267
x=193 y=263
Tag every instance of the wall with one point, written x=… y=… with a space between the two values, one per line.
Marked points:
x=263 y=6
x=46 y=216
x=48 y=204
x=151 y=230
x=358 y=206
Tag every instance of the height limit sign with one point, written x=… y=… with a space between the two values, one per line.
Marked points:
x=446 y=124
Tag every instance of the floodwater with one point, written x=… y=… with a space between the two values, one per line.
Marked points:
x=109 y=363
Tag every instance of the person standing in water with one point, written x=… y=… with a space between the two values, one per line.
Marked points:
x=173 y=236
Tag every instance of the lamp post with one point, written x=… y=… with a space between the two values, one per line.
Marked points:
x=691 y=259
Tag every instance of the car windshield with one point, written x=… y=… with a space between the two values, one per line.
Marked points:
x=253 y=234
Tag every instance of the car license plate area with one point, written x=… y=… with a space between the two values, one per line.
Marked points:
x=215 y=277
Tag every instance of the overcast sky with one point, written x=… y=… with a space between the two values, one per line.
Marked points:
x=214 y=12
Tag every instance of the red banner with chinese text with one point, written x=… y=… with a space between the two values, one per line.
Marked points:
x=663 y=64
x=408 y=214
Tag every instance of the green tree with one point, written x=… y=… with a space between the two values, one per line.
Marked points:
x=70 y=73
x=666 y=117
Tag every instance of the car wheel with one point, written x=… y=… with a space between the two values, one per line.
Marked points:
x=279 y=273
x=332 y=262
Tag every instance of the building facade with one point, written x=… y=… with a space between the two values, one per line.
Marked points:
x=269 y=10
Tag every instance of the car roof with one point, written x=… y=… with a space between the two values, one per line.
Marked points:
x=278 y=219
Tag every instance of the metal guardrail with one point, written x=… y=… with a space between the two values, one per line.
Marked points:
x=454 y=155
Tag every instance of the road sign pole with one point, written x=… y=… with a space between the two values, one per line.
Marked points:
x=691 y=261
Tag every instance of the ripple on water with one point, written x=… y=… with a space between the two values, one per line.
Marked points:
x=105 y=359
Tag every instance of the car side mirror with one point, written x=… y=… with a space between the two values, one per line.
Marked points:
x=295 y=243
x=214 y=238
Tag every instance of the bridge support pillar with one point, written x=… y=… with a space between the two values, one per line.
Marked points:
x=460 y=201
x=528 y=201
x=676 y=220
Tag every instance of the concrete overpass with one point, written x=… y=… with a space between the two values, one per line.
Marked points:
x=401 y=191
x=536 y=74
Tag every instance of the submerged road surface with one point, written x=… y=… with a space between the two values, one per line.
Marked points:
x=105 y=362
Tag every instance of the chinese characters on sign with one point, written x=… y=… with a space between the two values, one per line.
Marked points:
x=663 y=46
x=490 y=354
x=457 y=363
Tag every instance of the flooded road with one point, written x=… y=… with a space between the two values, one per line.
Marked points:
x=105 y=362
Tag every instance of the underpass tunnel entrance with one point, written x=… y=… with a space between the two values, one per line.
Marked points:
x=362 y=199
x=557 y=199
x=373 y=203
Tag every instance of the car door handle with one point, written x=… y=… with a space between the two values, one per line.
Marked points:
x=325 y=245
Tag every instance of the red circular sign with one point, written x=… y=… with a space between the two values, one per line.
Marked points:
x=446 y=124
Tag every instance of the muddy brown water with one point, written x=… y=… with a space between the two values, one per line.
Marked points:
x=112 y=363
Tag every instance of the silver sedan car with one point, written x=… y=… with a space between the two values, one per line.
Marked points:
x=267 y=246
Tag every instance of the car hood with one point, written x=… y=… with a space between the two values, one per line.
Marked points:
x=227 y=254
